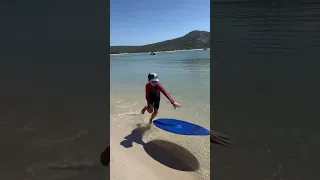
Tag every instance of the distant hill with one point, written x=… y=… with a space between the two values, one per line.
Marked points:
x=192 y=40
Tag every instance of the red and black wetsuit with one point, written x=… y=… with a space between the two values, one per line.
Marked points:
x=153 y=94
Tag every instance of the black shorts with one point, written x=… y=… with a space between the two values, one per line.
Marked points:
x=155 y=102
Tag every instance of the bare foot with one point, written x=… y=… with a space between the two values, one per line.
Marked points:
x=143 y=110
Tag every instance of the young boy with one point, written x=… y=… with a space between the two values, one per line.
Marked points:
x=153 y=89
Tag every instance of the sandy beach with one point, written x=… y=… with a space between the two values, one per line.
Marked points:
x=143 y=151
x=135 y=164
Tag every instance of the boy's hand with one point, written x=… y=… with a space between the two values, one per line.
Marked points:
x=175 y=105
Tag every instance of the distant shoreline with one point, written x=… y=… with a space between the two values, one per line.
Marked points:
x=164 y=51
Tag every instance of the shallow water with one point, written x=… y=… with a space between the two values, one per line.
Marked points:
x=265 y=64
x=185 y=75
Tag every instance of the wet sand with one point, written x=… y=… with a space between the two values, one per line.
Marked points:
x=133 y=159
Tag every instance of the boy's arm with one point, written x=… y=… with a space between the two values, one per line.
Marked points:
x=166 y=93
x=147 y=93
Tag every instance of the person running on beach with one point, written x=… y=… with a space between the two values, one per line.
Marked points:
x=153 y=89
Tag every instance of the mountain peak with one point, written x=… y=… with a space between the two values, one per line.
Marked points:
x=193 y=40
x=199 y=37
x=197 y=32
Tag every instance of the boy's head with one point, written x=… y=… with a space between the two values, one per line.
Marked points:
x=153 y=78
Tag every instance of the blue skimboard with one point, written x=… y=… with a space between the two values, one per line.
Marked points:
x=180 y=127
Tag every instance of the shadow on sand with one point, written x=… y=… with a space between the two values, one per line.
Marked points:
x=172 y=155
x=105 y=156
x=136 y=135
x=165 y=152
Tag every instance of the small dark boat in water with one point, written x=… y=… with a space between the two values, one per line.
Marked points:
x=152 y=53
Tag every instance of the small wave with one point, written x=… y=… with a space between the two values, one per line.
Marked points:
x=127 y=115
x=62 y=170
x=127 y=118
x=43 y=142
x=71 y=166
x=29 y=126
x=124 y=106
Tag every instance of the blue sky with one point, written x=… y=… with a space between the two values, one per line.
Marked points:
x=140 y=22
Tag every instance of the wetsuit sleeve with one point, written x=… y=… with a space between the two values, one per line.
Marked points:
x=147 y=93
x=165 y=93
